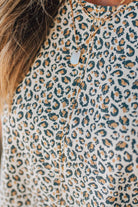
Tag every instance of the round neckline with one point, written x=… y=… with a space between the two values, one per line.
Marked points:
x=96 y=5
x=95 y=10
x=107 y=8
x=98 y=10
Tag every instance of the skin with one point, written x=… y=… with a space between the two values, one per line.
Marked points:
x=108 y=2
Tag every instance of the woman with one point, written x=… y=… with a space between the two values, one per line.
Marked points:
x=68 y=75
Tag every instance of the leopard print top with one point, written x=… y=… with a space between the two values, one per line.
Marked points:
x=64 y=149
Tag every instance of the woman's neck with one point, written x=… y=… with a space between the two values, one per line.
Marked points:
x=108 y=2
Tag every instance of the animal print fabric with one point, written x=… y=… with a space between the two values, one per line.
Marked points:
x=64 y=149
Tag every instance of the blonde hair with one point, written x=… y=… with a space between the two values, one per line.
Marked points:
x=24 y=25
